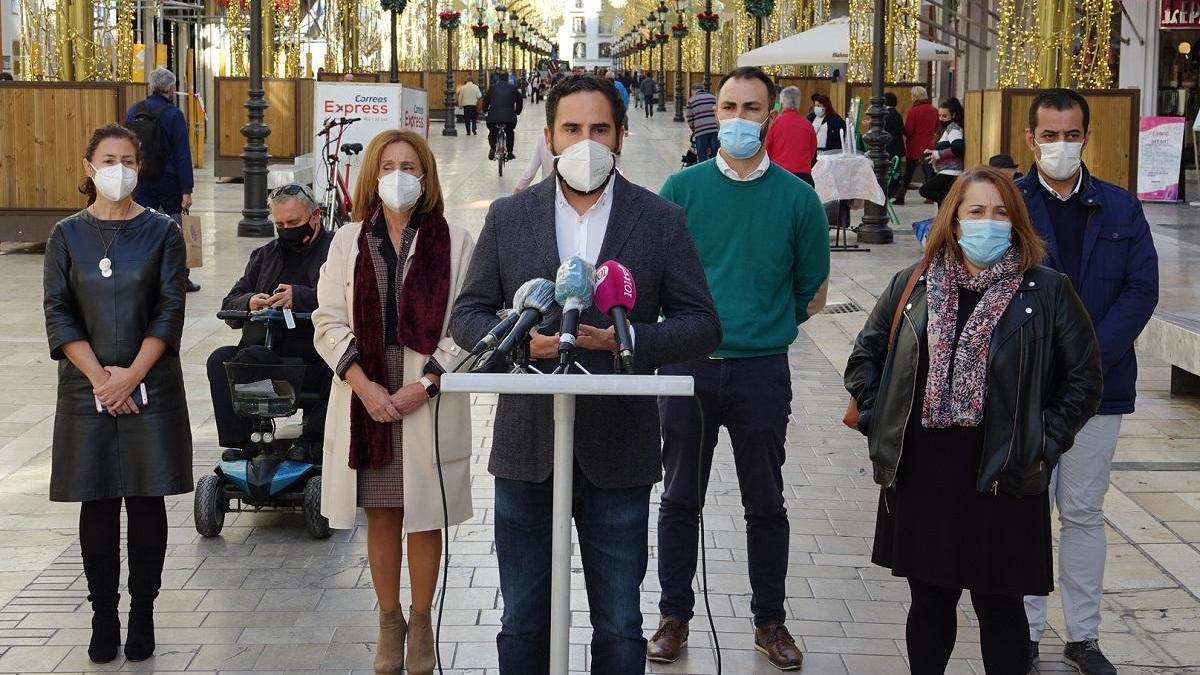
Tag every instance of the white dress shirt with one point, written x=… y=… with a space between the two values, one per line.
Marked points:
x=541 y=159
x=730 y=173
x=1078 y=184
x=581 y=235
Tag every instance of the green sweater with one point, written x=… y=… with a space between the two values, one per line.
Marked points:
x=764 y=245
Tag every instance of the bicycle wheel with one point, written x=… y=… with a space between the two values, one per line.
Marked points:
x=500 y=160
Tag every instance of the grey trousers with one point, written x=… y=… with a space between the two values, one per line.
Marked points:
x=1077 y=488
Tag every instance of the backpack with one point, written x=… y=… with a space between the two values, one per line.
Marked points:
x=144 y=124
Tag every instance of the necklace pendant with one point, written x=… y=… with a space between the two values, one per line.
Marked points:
x=105 y=264
x=106 y=273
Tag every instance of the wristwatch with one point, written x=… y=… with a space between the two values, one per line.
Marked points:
x=431 y=389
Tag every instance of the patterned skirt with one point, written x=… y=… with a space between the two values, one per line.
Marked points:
x=384 y=487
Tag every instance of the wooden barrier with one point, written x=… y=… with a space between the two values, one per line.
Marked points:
x=289 y=114
x=997 y=118
x=46 y=127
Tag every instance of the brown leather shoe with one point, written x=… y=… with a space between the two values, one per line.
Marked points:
x=776 y=643
x=668 y=641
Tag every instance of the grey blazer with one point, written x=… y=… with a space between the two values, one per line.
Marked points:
x=617 y=439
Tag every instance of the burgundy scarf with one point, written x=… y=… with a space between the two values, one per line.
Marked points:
x=420 y=314
x=960 y=403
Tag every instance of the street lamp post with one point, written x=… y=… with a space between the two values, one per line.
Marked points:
x=708 y=10
x=679 y=63
x=500 y=13
x=481 y=37
x=448 y=128
x=874 y=228
x=513 y=20
x=255 y=220
x=662 y=53
x=394 y=76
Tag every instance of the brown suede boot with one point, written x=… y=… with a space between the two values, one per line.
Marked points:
x=421 y=658
x=389 y=651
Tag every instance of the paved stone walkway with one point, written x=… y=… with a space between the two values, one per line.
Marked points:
x=264 y=597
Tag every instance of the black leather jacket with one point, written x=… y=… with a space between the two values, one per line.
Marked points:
x=1044 y=381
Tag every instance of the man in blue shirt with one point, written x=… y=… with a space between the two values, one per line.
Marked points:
x=1097 y=235
x=612 y=76
x=165 y=183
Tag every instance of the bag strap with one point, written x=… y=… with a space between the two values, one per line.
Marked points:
x=908 y=289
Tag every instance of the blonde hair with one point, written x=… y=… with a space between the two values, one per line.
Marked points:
x=366 y=196
x=919 y=95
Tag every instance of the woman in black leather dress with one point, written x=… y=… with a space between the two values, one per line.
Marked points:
x=991 y=372
x=114 y=299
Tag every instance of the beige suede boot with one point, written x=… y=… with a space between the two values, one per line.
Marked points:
x=389 y=651
x=421 y=657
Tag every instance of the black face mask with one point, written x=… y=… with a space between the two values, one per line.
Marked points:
x=294 y=238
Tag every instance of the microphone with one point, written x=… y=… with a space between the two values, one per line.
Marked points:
x=506 y=325
x=616 y=295
x=573 y=288
x=537 y=307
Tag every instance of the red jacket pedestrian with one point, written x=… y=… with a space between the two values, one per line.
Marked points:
x=920 y=129
x=792 y=142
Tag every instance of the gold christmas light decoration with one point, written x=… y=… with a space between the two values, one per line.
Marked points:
x=903 y=29
x=859 y=67
x=124 y=56
x=1090 y=58
x=1019 y=44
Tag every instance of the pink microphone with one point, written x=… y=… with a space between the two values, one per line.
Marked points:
x=615 y=295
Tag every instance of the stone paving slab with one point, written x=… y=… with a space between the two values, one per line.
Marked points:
x=264 y=598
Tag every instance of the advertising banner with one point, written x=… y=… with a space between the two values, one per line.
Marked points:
x=1160 y=148
x=377 y=108
x=415 y=104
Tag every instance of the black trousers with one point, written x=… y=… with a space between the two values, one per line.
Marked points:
x=933 y=626
x=471 y=119
x=752 y=399
x=233 y=431
x=938 y=187
x=100 y=546
x=649 y=106
x=510 y=135
x=910 y=168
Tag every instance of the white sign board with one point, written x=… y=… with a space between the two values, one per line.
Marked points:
x=1160 y=147
x=379 y=107
x=415 y=104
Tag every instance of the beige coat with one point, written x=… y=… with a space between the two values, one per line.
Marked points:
x=333 y=331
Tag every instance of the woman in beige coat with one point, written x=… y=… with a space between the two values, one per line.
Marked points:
x=383 y=328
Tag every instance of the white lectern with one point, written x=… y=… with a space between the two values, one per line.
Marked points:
x=565 y=388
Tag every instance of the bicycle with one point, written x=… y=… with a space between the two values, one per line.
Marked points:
x=501 y=147
x=336 y=203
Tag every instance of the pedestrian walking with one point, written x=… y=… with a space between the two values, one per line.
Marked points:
x=468 y=99
x=114 y=304
x=588 y=210
x=1097 y=235
x=972 y=375
x=920 y=134
x=792 y=141
x=165 y=181
x=384 y=302
x=649 y=94
x=946 y=157
x=763 y=237
x=893 y=123
x=701 y=116
x=828 y=124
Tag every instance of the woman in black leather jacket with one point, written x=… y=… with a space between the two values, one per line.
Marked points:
x=113 y=298
x=993 y=369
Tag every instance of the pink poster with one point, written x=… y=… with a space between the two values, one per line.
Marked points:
x=1160 y=148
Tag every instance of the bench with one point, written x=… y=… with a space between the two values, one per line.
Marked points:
x=1175 y=338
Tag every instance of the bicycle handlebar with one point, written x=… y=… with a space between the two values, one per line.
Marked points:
x=331 y=122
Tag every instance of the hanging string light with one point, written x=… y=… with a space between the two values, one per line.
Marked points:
x=859 y=67
x=903 y=29
x=1019 y=45
x=1090 y=58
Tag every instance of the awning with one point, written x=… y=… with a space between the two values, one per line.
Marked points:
x=825 y=44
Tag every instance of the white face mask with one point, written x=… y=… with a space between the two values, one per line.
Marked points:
x=399 y=191
x=818 y=111
x=114 y=182
x=1060 y=160
x=586 y=165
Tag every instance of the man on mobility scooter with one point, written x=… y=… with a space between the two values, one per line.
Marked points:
x=281 y=274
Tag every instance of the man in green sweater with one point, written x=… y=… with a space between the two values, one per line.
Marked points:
x=763 y=239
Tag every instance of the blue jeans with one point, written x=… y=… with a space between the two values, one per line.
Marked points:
x=612 y=529
x=706 y=146
x=752 y=399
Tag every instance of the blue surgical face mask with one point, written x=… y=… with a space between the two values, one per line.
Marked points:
x=983 y=241
x=739 y=138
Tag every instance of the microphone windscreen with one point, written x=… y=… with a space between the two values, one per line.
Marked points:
x=540 y=296
x=576 y=280
x=614 y=287
x=518 y=301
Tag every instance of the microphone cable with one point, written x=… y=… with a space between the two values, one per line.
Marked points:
x=700 y=493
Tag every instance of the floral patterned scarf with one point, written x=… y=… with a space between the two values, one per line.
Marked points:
x=960 y=403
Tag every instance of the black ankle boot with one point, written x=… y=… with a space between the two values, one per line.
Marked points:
x=103 y=574
x=145 y=578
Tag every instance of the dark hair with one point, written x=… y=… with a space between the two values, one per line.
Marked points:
x=577 y=83
x=5 y=75
x=956 y=113
x=752 y=73
x=824 y=101
x=102 y=134
x=1059 y=99
x=889 y=99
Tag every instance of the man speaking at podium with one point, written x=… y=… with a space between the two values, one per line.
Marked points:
x=589 y=211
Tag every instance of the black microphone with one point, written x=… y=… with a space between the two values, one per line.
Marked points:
x=538 y=308
x=506 y=325
x=573 y=288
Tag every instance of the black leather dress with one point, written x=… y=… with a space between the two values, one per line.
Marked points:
x=95 y=455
